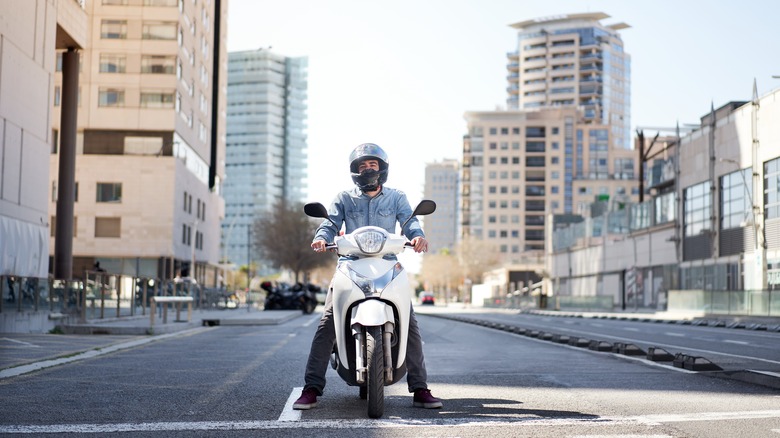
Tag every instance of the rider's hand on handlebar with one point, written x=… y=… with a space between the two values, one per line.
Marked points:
x=318 y=245
x=420 y=244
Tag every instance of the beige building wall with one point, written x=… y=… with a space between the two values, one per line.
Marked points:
x=30 y=32
x=145 y=123
x=512 y=178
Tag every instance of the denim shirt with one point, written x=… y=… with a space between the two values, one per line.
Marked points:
x=355 y=209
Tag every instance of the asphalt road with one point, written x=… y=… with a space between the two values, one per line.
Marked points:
x=240 y=381
x=728 y=348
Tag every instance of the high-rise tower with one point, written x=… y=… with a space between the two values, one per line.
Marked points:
x=266 y=141
x=573 y=61
x=563 y=142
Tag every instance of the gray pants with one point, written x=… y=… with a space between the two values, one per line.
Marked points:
x=325 y=338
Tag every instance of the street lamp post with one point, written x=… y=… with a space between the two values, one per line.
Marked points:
x=192 y=252
x=225 y=244
x=248 y=268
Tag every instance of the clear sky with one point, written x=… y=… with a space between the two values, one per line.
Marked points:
x=402 y=74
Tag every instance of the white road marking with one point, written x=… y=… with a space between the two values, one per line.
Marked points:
x=631 y=329
x=312 y=320
x=736 y=342
x=24 y=369
x=288 y=413
x=385 y=423
x=20 y=342
x=706 y=416
x=680 y=335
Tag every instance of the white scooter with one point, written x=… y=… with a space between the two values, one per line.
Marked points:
x=372 y=299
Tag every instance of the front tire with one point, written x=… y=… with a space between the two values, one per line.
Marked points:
x=375 y=372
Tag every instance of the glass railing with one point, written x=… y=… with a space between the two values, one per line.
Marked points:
x=100 y=296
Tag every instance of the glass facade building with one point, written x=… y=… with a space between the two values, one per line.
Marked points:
x=266 y=142
x=573 y=60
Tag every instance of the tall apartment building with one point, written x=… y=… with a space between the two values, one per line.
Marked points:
x=563 y=142
x=573 y=61
x=150 y=139
x=441 y=185
x=266 y=142
x=30 y=34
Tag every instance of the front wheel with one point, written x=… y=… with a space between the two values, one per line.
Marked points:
x=375 y=372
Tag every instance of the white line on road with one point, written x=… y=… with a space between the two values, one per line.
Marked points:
x=736 y=342
x=679 y=335
x=20 y=342
x=288 y=413
x=312 y=320
x=384 y=423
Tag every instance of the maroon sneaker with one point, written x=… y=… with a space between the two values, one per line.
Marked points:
x=307 y=400
x=424 y=399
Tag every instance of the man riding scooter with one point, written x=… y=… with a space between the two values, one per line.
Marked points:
x=369 y=203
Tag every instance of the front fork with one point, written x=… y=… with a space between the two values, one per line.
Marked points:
x=360 y=354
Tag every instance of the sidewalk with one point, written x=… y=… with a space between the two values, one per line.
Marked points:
x=141 y=324
x=19 y=349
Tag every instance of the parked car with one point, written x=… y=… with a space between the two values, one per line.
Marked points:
x=426 y=298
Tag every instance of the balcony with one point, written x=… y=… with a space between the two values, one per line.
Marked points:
x=591 y=57
x=660 y=174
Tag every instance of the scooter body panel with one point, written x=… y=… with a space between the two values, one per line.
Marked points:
x=353 y=309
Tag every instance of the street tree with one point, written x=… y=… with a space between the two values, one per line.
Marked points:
x=283 y=238
x=440 y=271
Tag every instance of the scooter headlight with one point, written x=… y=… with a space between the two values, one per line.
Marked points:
x=365 y=284
x=373 y=287
x=370 y=241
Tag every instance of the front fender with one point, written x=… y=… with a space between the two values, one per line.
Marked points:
x=372 y=313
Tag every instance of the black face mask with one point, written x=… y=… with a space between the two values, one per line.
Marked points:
x=367 y=180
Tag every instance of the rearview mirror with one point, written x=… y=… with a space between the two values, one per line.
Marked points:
x=315 y=209
x=425 y=207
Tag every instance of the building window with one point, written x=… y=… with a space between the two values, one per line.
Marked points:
x=158 y=64
x=111 y=97
x=159 y=30
x=108 y=227
x=535 y=146
x=112 y=63
x=698 y=202
x=156 y=99
x=624 y=168
x=57 y=95
x=113 y=29
x=534 y=132
x=109 y=192
x=735 y=195
x=143 y=145
x=772 y=188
